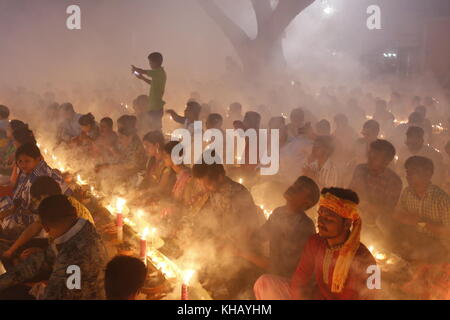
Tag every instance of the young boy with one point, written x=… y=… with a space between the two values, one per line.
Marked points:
x=76 y=248
x=287 y=230
x=157 y=87
x=124 y=277
x=423 y=213
x=42 y=188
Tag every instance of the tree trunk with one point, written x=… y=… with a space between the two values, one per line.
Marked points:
x=265 y=52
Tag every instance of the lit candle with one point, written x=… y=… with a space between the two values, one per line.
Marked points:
x=120 y=204
x=143 y=244
x=119 y=224
x=187 y=275
x=241 y=180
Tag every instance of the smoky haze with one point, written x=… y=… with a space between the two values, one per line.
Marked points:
x=39 y=52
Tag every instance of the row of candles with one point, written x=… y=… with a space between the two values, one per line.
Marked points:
x=161 y=262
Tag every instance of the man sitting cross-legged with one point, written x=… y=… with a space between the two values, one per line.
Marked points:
x=334 y=263
x=76 y=257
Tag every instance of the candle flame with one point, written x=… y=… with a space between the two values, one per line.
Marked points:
x=380 y=256
x=120 y=204
x=81 y=181
x=145 y=233
x=187 y=276
x=139 y=214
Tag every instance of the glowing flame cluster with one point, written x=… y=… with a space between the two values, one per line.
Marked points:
x=118 y=205
x=438 y=128
x=378 y=255
x=187 y=276
x=163 y=264
x=266 y=212
x=80 y=181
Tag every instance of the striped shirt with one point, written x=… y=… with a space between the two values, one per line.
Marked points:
x=327 y=176
x=21 y=199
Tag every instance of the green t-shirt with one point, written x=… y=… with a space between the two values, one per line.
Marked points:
x=157 y=87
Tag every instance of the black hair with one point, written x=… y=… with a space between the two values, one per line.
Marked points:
x=141 y=101
x=55 y=209
x=127 y=121
x=421 y=109
x=323 y=125
x=67 y=106
x=211 y=171
x=154 y=137
x=87 y=120
x=415 y=117
x=277 y=121
x=156 y=57
x=298 y=112
x=420 y=163
x=214 y=118
x=30 y=149
x=168 y=147
x=23 y=136
x=108 y=121
x=45 y=186
x=195 y=107
x=384 y=146
x=4 y=112
x=372 y=125
x=415 y=131
x=17 y=124
x=307 y=183
x=345 y=194
x=127 y=131
x=124 y=276
x=253 y=117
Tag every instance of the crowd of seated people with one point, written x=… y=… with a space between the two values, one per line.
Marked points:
x=342 y=190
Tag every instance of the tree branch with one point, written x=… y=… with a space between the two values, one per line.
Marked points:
x=232 y=31
x=281 y=17
x=262 y=10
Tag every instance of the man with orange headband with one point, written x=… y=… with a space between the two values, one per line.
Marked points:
x=335 y=259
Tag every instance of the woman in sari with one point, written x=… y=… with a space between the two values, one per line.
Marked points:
x=19 y=135
x=15 y=210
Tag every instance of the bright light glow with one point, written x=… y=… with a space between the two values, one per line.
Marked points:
x=187 y=276
x=328 y=10
x=120 y=204
x=145 y=233
x=81 y=181
x=380 y=256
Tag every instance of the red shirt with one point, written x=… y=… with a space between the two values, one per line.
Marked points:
x=317 y=263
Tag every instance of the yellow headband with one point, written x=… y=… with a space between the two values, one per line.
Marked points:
x=347 y=210
x=344 y=208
